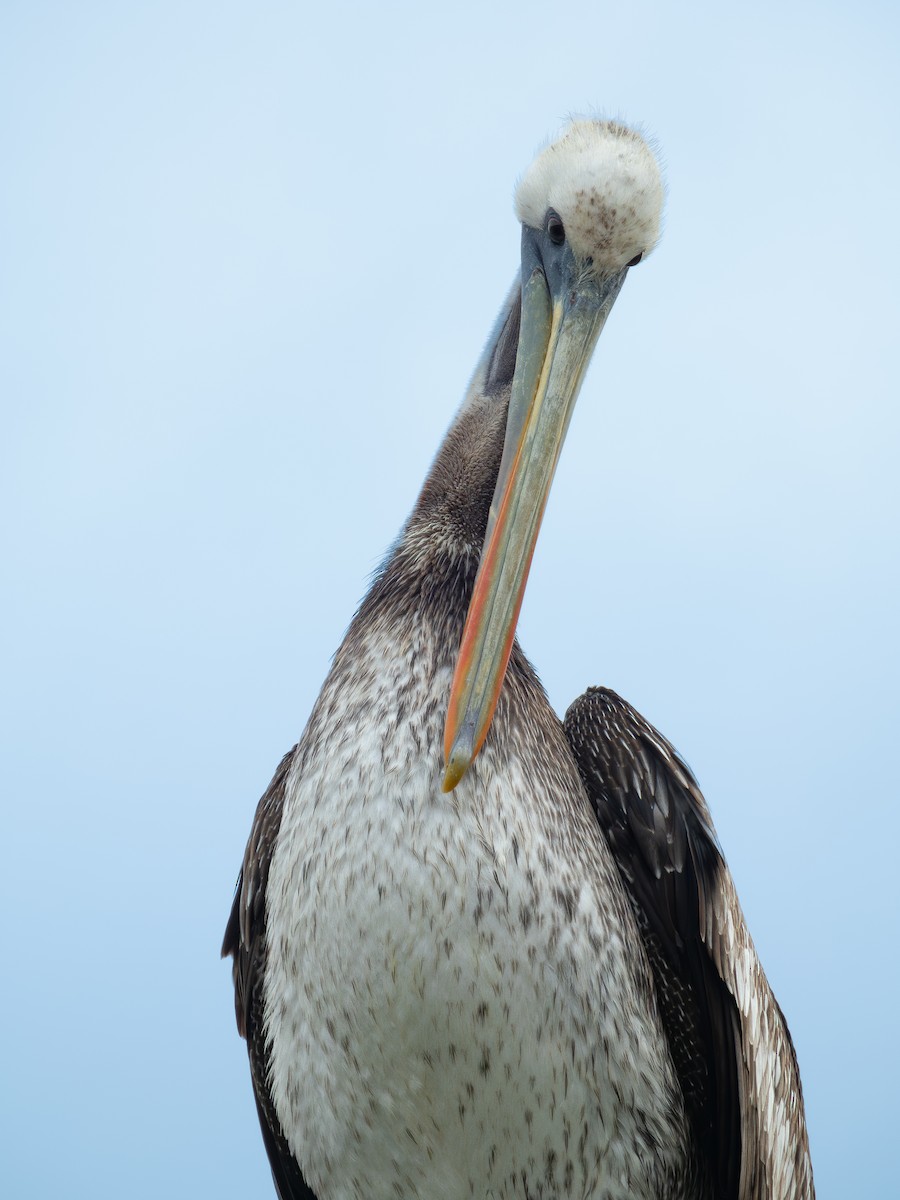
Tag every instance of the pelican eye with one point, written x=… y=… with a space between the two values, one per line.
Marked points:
x=637 y=258
x=555 y=229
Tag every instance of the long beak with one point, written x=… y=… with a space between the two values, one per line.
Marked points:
x=556 y=339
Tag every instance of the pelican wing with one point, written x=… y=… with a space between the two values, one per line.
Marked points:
x=728 y=1037
x=245 y=941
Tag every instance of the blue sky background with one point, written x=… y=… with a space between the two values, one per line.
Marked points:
x=248 y=258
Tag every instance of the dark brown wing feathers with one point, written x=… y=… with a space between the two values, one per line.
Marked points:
x=245 y=941
x=657 y=824
x=729 y=1043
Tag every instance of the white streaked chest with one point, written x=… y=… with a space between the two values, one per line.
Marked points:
x=450 y=997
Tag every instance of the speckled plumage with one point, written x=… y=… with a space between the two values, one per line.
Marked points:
x=486 y=993
x=605 y=180
x=452 y=1002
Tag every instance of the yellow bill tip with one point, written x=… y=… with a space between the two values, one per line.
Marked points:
x=459 y=759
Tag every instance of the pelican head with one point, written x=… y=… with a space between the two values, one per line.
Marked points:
x=590 y=206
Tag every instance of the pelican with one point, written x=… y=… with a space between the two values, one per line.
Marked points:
x=479 y=951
